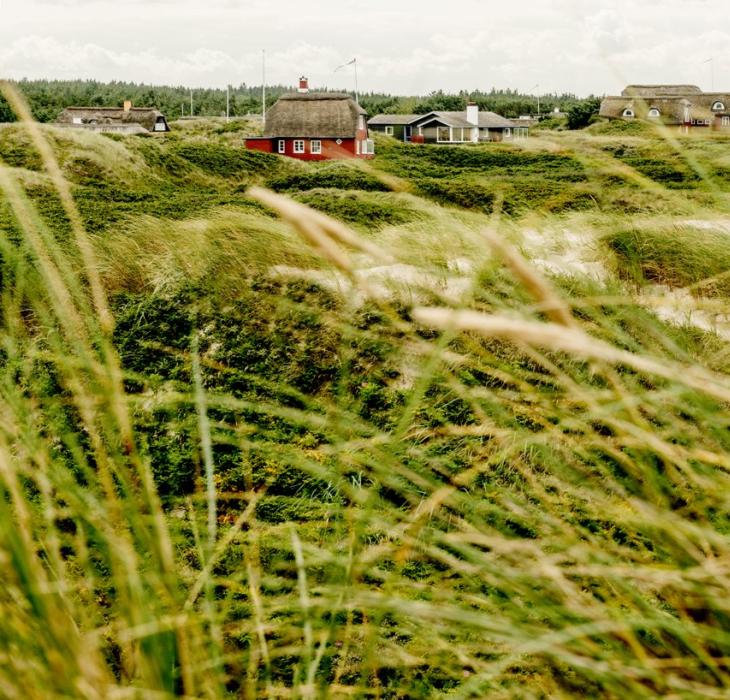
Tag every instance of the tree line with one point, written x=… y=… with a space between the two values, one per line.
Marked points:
x=48 y=98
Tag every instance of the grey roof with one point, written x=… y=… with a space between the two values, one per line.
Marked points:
x=487 y=120
x=393 y=119
x=145 y=117
x=312 y=115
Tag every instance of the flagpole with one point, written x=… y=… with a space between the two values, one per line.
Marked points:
x=263 y=86
x=357 y=93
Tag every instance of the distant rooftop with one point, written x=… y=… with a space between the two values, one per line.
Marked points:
x=659 y=90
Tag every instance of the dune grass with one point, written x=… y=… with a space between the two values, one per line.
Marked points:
x=256 y=485
x=676 y=255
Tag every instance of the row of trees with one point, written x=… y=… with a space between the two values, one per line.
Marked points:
x=48 y=98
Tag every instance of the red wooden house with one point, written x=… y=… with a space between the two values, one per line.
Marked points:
x=315 y=126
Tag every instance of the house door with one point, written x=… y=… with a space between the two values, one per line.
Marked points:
x=406 y=133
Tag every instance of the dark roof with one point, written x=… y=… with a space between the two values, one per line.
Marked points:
x=145 y=117
x=487 y=120
x=313 y=114
x=393 y=119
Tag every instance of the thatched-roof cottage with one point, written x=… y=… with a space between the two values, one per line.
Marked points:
x=315 y=126
x=685 y=106
x=470 y=126
x=123 y=120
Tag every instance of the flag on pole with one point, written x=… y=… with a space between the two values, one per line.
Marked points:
x=344 y=65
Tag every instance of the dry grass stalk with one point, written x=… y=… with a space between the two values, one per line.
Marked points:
x=553 y=306
x=300 y=217
x=319 y=230
x=50 y=162
x=573 y=341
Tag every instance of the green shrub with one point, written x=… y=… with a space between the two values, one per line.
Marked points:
x=225 y=161
x=340 y=176
x=366 y=210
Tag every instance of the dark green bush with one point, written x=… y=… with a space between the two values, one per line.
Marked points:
x=331 y=175
x=361 y=209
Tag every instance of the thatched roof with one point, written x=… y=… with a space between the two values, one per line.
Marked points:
x=660 y=90
x=111 y=116
x=314 y=115
x=672 y=109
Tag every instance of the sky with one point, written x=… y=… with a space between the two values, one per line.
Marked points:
x=401 y=46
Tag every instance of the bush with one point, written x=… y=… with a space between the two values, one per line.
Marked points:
x=225 y=161
x=330 y=175
x=366 y=210
x=584 y=113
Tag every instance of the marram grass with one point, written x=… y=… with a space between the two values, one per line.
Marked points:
x=228 y=483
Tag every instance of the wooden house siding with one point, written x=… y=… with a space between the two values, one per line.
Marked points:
x=329 y=149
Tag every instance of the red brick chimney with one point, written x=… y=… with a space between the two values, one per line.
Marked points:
x=303 y=85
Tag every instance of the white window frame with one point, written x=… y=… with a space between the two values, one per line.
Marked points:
x=628 y=113
x=389 y=131
x=315 y=147
x=298 y=146
x=357 y=147
x=508 y=133
x=718 y=107
x=438 y=135
x=281 y=146
x=654 y=113
x=725 y=121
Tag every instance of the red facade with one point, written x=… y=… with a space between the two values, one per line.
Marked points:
x=315 y=126
x=314 y=149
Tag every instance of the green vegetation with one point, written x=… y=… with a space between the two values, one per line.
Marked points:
x=239 y=458
x=47 y=98
x=679 y=256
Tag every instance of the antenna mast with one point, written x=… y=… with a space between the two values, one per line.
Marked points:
x=263 y=86
x=357 y=92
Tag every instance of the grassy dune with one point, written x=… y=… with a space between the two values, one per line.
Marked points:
x=466 y=438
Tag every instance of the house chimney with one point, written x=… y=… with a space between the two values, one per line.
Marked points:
x=127 y=105
x=472 y=113
x=303 y=85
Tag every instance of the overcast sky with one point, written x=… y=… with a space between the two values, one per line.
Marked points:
x=402 y=46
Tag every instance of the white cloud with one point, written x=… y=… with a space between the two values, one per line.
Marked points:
x=407 y=47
